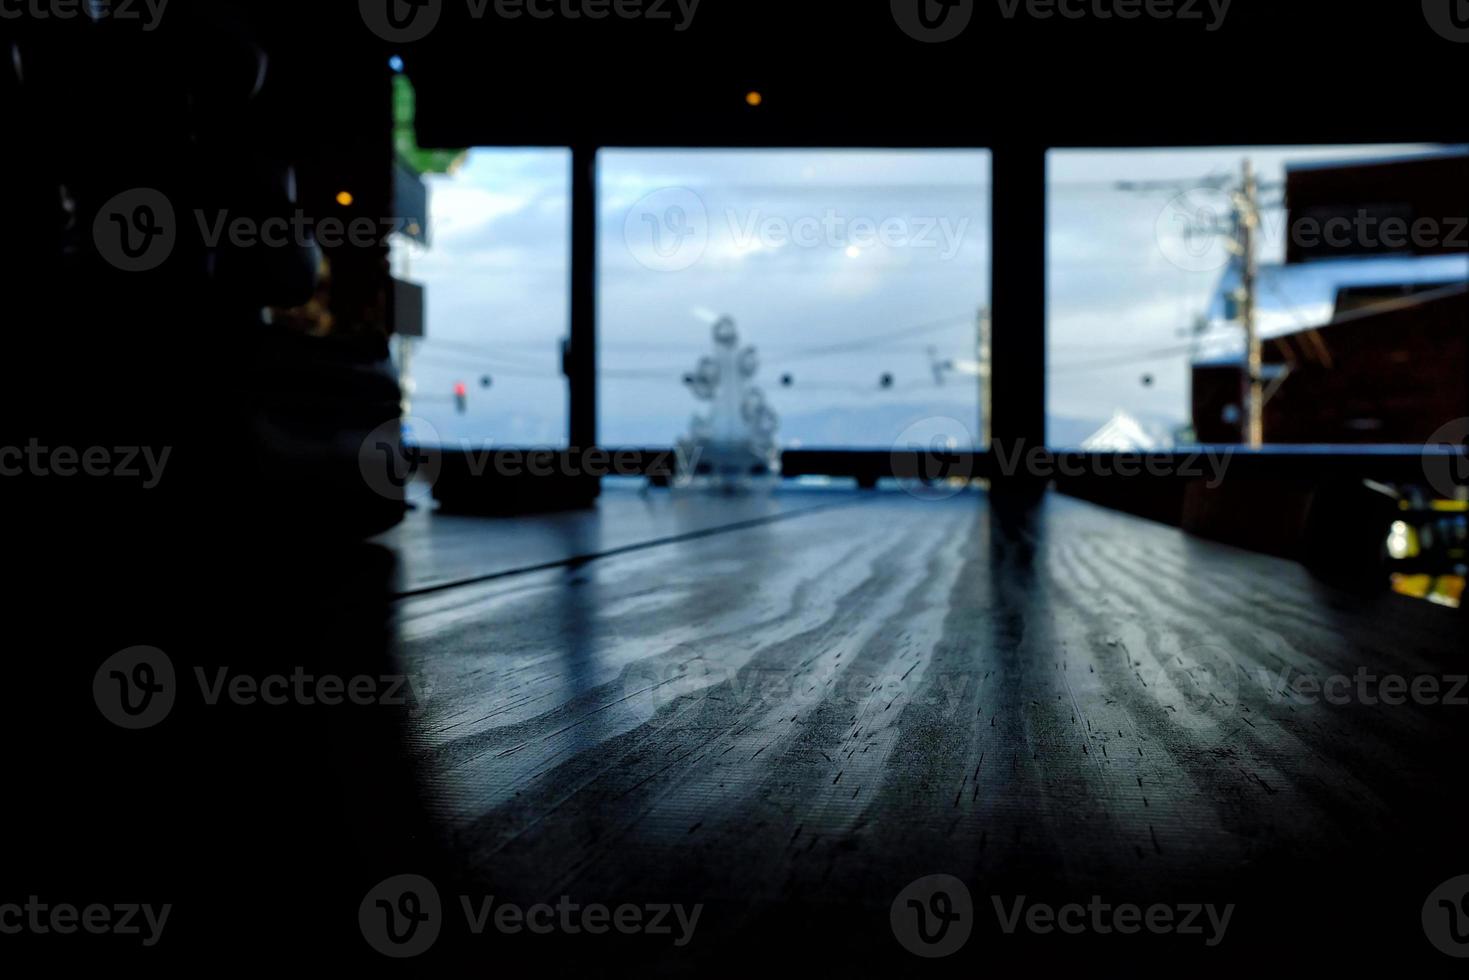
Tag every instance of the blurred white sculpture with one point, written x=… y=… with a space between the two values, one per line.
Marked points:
x=732 y=447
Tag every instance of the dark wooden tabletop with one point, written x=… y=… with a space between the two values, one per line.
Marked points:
x=790 y=721
x=784 y=711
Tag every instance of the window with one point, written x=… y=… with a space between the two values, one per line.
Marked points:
x=496 y=287
x=861 y=278
x=1356 y=289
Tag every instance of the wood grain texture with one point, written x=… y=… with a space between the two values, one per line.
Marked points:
x=438 y=550
x=797 y=719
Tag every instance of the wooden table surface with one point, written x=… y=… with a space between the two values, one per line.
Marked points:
x=437 y=550
x=791 y=720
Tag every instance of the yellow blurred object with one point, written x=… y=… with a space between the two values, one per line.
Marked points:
x=753 y=98
x=1416 y=586
x=1448 y=591
x=345 y=199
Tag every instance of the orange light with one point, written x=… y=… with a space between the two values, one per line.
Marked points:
x=753 y=98
x=345 y=199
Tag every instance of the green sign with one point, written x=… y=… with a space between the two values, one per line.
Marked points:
x=405 y=107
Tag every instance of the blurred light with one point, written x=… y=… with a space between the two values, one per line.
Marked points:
x=753 y=99
x=345 y=198
x=853 y=252
x=395 y=63
x=1401 y=541
x=460 y=389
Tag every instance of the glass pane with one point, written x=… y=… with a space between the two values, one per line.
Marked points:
x=496 y=278
x=860 y=277
x=1356 y=292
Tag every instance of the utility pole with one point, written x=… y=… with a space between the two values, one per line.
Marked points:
x=1247 y=224
x=981 y=369
x=1243 y=241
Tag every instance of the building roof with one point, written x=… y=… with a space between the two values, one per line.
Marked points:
x=1337 y=163
x=1301 y=297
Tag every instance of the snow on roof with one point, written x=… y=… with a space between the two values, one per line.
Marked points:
x=1292 y=298
x=1122 y=433
x=1438 y=153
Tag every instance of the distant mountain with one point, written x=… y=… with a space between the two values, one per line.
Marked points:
x=882 y=425
x=878 y=426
